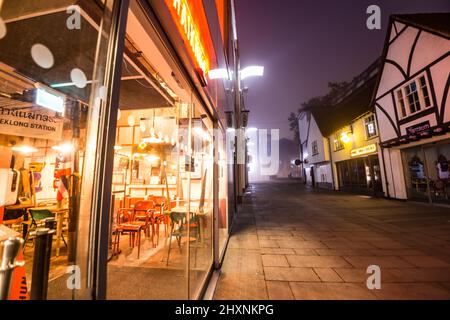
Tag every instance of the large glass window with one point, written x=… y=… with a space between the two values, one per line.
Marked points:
x=161 y=231
x=416 y=174
x=52 y=63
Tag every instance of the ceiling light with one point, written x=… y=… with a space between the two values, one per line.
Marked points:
x=24 y=149
x=64 y=148
x=131 y=121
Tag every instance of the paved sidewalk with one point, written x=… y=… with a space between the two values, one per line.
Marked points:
x=291 y=242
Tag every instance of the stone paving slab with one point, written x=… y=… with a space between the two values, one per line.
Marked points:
x=318 y=244
x=290 y=274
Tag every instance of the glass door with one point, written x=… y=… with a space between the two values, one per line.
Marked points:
x=201 y=200
x=437 y=164
x=416 y=174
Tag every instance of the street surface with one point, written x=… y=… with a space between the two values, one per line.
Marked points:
x=294 y=242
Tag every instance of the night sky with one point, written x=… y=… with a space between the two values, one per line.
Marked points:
x=304 y=44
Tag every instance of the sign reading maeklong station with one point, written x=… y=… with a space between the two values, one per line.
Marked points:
x=30 y=121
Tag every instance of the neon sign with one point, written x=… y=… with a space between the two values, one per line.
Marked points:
x=191 y=32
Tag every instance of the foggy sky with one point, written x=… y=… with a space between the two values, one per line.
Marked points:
x=304 y=44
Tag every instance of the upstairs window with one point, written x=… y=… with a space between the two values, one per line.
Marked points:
x=338 y=144
x=314 y=147
x=370 y=126
x=414 y=97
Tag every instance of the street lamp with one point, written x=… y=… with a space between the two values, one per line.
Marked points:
x=241 y=120
x=252 y=71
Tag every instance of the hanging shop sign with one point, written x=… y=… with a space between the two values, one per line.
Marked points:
x=364 y=150
x=188 y=23
x=418 y=128
x=30 y=121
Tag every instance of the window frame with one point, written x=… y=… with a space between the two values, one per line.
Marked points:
x=366 y=122
x=314 y=148
x=338 y=144
x=421 y=97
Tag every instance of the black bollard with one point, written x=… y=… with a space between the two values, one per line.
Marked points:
x=50 y=223
x=41 y=263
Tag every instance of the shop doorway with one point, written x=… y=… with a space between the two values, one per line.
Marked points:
x=427 y=172
x=360 y=175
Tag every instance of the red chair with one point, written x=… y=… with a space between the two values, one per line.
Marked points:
x=161 y=217
x=127 y=224
x=144 y=211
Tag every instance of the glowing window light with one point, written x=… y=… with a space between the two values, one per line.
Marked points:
x=49 y=100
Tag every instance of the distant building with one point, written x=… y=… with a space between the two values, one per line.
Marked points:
x=413 y=107
x=353 y=134
x=315 y=149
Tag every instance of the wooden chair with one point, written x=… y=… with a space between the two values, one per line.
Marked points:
x=143 y=211
x=127 y=224
x=161 y=216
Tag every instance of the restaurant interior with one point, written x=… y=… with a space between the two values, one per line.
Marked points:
x=161 y=219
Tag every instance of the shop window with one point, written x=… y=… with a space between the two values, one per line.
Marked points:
x=370 y=126
x=52 y=93
x=413 y=97
x=314 y=147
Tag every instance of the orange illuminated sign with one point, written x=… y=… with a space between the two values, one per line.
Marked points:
x=188 y=27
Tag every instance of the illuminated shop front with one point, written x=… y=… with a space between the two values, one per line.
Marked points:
x=110 y=125
x=413 y=109
x=354 y=140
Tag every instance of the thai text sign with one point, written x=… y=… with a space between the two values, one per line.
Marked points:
x=30 y=121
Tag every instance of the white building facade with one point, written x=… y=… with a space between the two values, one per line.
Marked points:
x=413 y=108
x=315 y=152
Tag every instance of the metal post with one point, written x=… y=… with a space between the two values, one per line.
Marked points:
x=9 y=249
x=41 y=263
x=99 y=235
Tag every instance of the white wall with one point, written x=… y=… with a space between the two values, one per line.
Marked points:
x=428 y=49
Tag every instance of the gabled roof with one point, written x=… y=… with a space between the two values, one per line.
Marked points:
x=331 y=118
x=438 y=23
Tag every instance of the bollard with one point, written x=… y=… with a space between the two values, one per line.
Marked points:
x=9 y=250
x=50 y=223
x=41 y=263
